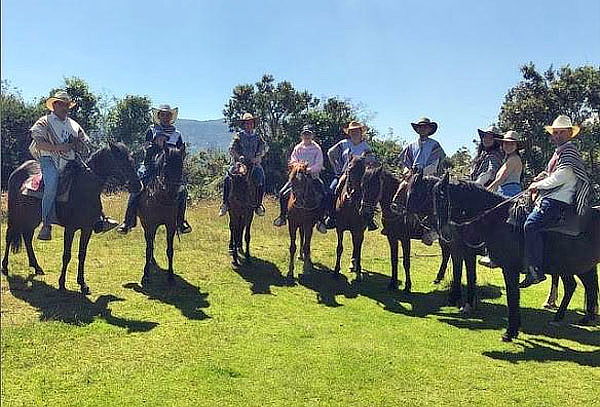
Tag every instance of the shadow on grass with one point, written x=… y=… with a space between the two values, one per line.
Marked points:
x=69 y=306
x=262 y=275
x=534 y=350
x=326 y=285
x=184 y=296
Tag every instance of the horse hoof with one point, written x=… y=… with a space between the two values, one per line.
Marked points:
x=407 y=290
x=550 y=306
x=39 y=272
x=556 y=323
x=392 y=286
x=85 y=290
x=4 y=271
x=587 y=320
x=466 y=309
x=436 y=281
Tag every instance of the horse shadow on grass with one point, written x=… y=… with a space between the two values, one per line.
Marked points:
x=187 y=298
x=327 y=285
x=262 y=275
x=535 y=350
x=70 y=307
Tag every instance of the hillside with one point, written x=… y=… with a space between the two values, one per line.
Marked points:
x=205 y=134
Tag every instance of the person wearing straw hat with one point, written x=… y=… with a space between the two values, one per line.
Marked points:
x=162 y=132
x=339 y=157
x=565 y=184
x=424 y=154
x=508 y=178
x=489 y=157
x=55 y=140
x=310 y=152
x=251 y=147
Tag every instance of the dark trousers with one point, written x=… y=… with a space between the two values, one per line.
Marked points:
x=258 y=176
x=547 y=214
x=284 y=194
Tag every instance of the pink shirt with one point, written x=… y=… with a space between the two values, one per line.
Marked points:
x=311 y=153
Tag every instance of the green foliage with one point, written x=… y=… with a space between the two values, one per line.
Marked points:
x=539 y=98
x=128 y=120
x=459 y=163
x=204 y=172
x=86 y=112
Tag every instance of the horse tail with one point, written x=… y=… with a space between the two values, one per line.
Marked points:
x=14 y=240
x=16 y=179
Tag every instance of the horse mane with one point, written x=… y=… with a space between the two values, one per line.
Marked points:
x=473 y=197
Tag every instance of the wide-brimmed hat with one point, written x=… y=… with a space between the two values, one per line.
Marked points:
x=164 y=108
x=491 y=131
x=513 y=136
x=425 y=121
x=59 y=95
x=355 y=125
x=247 y=117
x=563 y=122
x=307 y=129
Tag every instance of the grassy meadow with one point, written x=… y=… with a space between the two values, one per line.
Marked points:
x=248 y=338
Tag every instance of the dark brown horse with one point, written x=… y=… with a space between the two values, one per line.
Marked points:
x=241 y=211
x=81 y=212
x=347 y=214
x=159 y=205
x=304 y=211
x=382 y=187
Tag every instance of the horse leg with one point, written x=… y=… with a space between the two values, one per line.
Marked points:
x=170 y=238
x=149 y=235
x=247 y=237
x=569 y=285
x=406 y=264
x=590 y=282
x=28 y=238
x=511 y=282
x=455 y=296
x=301 y=252
x=233 y=250
x=84 y=239
x=470 y=267
x=393 y=243
x=308 y=231
x=9 y=238
x=293 y=229
x=552 y=294
x=444 y=265
x=357 y=241
x=339 y=251
x=67 y=243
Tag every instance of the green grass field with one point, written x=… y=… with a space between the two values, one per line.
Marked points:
x=231 y=338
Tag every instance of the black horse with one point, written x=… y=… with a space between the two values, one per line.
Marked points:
x=381 y=186
x=459 y=206
x=80 y=212
x=241 y=211
x=420 y=201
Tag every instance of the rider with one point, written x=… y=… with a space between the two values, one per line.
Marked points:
x=252 y=147
x=339 y=157
x=56 y=139
x=489 y=157
x=310 y=152
x=508 y=177
x=424 y=155
x=564 y=184
x=161 y=133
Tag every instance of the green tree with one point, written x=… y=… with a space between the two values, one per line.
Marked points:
x=459 y=163
x=127 y=121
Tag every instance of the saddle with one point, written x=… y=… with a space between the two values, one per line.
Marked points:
x=34 y=185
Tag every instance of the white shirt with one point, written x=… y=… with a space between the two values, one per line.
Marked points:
x=563 y=184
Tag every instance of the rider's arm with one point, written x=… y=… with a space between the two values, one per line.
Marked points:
x=316 y=167
x=556 y=179
x=490 y=171
x=53 y=148
x=509 y=166
x=335 y=156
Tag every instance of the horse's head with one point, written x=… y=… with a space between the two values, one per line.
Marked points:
x=372 y=189
x=240 y=180
x=354 y=173
x=303 y=186
x=419 y=194
x=441 y=206
x=169 y=166
x=116 y=161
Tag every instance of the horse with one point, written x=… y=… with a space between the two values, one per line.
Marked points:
x=480 y=217
x=241 y=211
x=304 y=211
x=159 y=205
x=420 y=201
x=380 y=187
x=348 y=217
x=80 y=212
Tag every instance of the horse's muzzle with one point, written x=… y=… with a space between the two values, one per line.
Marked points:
x=135 y=186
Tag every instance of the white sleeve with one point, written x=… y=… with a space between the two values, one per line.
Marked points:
x=556 y=179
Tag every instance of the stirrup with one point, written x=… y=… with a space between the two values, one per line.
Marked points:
x=280 y=221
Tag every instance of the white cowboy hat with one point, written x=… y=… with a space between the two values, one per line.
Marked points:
x=62 y=96
x=164 y=108
x=563 y=122
x=247 y=117
x=424 y=121
x=512 y=136
x=355 y=125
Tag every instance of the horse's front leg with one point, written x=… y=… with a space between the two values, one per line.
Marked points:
x=247 y=237
x=67 y=244
x=28 y=239
x=233 y=251
x=170 y=237
x=552 y=294
x=444 y=265
x=8 y=242
x=293 y=229
x=470 y=266
x=149 y=234
x=590 y=282
x=511 y=281
x=308 y=231
x=455 y=296
x=301 y=252
x=393 y=243
x=84 y=239
x=406 y=264
x=569 y=285
x=339 y=251
x=357 y=241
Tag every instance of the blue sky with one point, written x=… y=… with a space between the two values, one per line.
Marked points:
x=450 y=60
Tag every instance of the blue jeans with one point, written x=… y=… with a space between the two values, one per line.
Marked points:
x=511 y=189
x=50 y=177
x=547 y=214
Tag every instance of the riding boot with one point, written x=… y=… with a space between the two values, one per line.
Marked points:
x=372 y=225
x=130 y=214
x=104 y=224
x=260 y=194
x=182 y=225
x=226 y=188
x=534 y=276
x=283 y=210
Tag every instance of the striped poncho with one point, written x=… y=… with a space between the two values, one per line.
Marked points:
x=568 y=156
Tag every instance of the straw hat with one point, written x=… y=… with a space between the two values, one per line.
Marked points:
x=247 y=117
x=355 y=125
x=62 y=96
x=492 y=131
x=563 y=122
x=513 y=136
x=425 y=121
x=164 y=108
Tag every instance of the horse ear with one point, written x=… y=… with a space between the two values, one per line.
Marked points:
x=446 y=179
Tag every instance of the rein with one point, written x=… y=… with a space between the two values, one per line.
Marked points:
x=484 y=213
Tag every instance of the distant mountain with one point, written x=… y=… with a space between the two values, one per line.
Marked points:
x=205 y=134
